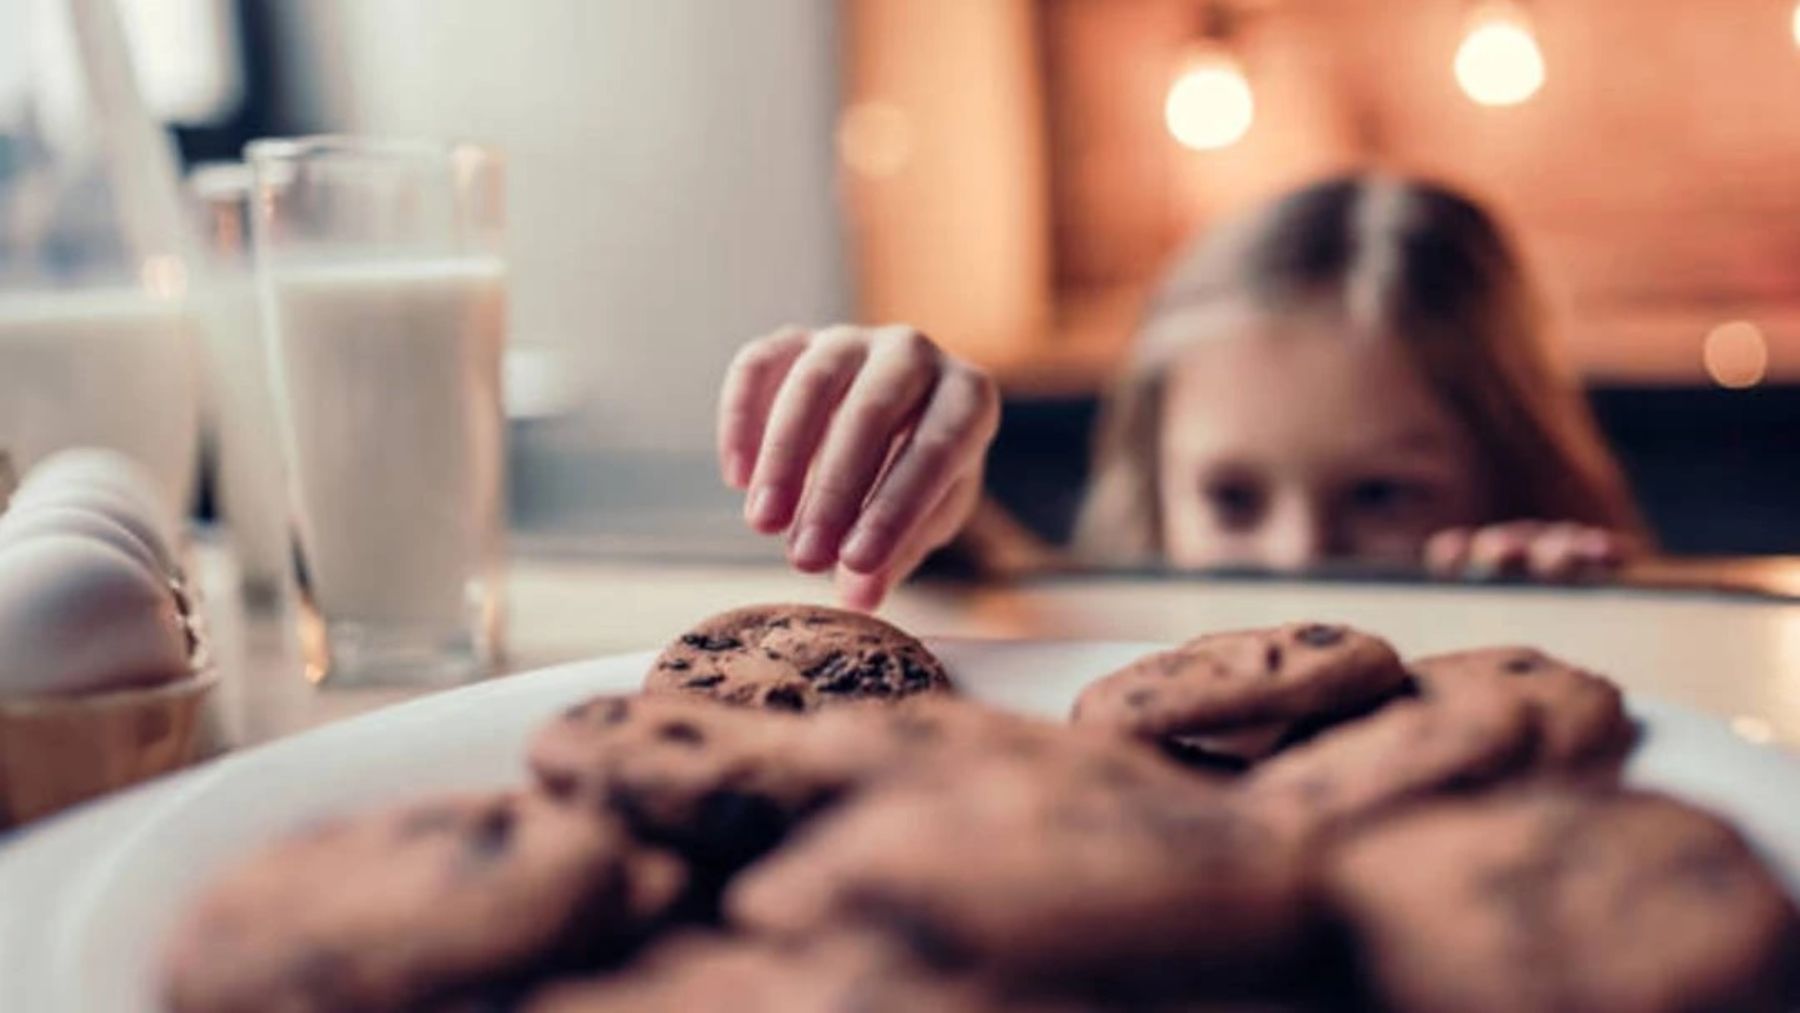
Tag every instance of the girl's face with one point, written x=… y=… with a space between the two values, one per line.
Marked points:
x=1288 y=442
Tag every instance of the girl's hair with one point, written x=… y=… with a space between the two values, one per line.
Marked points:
x=1403 y=258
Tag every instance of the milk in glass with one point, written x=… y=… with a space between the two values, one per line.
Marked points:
x=105 y=367
x=251 y=486
x=389 y=377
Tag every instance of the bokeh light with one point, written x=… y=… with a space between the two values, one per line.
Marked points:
x=1210 y=105
x=1498 y=63
x=875 y=139
x=1736 y=354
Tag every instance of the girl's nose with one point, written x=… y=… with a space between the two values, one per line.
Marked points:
x=1296 y=536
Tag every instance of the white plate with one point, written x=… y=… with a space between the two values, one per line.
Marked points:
x=97 y=949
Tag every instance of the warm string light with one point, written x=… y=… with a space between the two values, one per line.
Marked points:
x=1210 y=105
x=1735 y=354
x=1498 y=63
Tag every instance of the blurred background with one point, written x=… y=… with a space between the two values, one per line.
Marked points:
x=1010 y=174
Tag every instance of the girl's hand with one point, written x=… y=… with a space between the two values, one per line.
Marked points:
x=1542 y=550
x=865 y=445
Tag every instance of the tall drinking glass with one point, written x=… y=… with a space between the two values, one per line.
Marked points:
x=250 y=475
x=382 y=287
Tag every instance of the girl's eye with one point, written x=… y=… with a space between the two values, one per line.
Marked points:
x=1386 y=496
x=1236 y=504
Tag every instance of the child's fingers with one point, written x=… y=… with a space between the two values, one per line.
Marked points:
x=1555 y=553
x=1561 y=551
x=1447 y=552
x=803 y=407
x=745 y=397
x=1502 y=548
x=883 y=400
x=948 y=443
x=1602 y=552
x=865 y=591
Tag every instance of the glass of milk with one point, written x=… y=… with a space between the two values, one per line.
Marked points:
x=251 y=493
x=382 y=287
x=95 y=335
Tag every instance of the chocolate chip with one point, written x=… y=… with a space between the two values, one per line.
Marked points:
x=780 y=624
x=731 y=826
x=784 y=698
x=1319 y=635
x=703 y=681
x=678 y=664
x=815 y=620
x=559 y=783
x=913 y=675
x=772 y=654
x=703 y=642
x=1272 y=658
x=1140 y=697
x=1519 y=664
x=616 y=712
x=492 y=833
x=680 y=731
x=832 y=664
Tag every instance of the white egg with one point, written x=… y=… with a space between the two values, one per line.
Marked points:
x=118 y=507
x=78 y=616
x=107 y=469
x=58 y=519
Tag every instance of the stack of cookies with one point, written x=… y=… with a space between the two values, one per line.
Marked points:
x=799 y=813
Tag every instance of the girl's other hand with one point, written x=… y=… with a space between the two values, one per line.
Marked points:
x=1559 y=551
x=865 y=445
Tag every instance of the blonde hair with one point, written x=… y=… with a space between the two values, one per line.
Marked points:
x=1400 y=257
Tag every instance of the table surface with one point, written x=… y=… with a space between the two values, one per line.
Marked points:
x=1735 y=656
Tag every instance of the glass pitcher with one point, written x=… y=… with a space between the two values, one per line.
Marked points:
x=96 y=345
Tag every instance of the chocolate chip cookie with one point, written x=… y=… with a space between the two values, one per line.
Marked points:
x=796 y=658
x=722 y=784
x=719 y=783
x=1241 y=693
x=1558 y=899
x=1409 y=749
x=1111 y=879
x=848 y=972
x=1580 y=716
x=429 y=902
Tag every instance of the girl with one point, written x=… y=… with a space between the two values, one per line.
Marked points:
x=1354 y=372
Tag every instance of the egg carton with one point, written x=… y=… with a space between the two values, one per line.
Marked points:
x=59 y=750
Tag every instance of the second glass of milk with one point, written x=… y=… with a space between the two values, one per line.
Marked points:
x=382 y=287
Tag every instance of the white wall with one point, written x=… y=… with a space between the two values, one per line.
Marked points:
x=671 y=171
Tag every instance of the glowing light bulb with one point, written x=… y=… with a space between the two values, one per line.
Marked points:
x=1736 y=355
x=1210 y=105
x=1498 y=63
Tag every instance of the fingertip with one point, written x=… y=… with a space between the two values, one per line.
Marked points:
x=859 y=591
x=735 y=470
x=811 y=550
x=764 y=510
x=864 y=552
